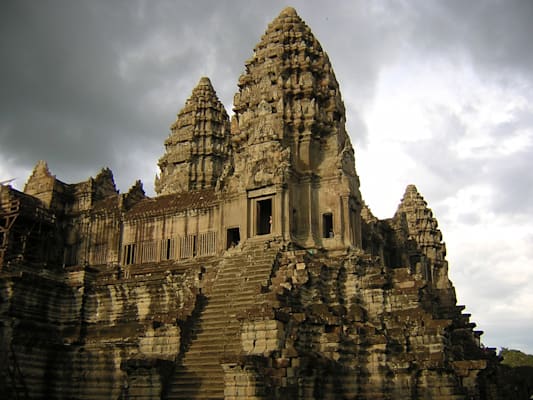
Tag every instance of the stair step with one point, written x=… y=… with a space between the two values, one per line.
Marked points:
x=217 y=331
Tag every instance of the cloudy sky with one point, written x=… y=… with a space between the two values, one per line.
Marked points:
x=438 y=93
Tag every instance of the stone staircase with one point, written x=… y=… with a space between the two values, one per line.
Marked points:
x=216 y=332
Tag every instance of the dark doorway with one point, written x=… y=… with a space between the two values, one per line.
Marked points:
x=327 y=225
x=233 y=237
x=264 y=216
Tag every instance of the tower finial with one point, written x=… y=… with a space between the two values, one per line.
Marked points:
x=204 y=80
x=289 y=11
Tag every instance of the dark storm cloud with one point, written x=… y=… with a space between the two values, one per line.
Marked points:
x=81 y=81
x=495 y=33
x=62 y=96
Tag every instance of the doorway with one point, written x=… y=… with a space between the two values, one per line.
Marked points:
x=264 y=217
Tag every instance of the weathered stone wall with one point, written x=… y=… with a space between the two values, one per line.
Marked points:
x=41 y=319
x=346 y=328
x=73 y=336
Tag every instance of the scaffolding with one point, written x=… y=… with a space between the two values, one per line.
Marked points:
x=9 y=211
x=27 y=228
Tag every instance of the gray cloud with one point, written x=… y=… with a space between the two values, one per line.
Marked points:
x=514 y=182
x=496 y=34
x=84 y=83
x=445 y=172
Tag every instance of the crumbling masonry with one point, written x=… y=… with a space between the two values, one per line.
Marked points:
x=258 y=272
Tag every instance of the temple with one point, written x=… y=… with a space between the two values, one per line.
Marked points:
x=257 y=272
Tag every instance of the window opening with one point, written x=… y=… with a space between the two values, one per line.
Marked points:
x=169 y=247
x=264 y=216
x=130 y=254
x=206 y=243
x=233 y=237
x=327 y=225
x=188 y=246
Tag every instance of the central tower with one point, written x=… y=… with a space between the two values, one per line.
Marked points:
x=289 y=141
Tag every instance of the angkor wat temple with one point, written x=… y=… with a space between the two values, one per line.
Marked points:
x=257 y=272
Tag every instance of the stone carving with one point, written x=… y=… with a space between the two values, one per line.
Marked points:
x=258 y=272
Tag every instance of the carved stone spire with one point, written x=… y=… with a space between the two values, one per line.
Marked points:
x=40 y=172
x=289 y=100
x=134 y=195
x=423 y=228
x=103 y=184
x=41 y=183
x=198 y=145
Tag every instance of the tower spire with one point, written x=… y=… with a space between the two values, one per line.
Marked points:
x=289 y=97
x=198 y=145
x=423 y=228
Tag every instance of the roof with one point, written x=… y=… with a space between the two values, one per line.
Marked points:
x=108 y=203
x=175 y=202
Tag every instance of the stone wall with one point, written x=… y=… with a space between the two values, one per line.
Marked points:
x=76 y=336
x=345 y=327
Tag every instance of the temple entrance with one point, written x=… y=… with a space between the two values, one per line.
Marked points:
x=264 y=216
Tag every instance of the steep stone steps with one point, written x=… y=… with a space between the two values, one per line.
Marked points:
x=216 y=333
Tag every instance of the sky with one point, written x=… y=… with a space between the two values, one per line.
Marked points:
x=437 y=93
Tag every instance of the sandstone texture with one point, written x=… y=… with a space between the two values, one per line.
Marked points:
x=257 y=272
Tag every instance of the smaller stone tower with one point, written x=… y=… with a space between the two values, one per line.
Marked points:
x=422 y=228
x=41 y=183
x=197 y=148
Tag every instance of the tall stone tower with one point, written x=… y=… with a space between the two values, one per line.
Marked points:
x=198 y=145
x=289 y=139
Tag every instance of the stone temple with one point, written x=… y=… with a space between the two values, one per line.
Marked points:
x=257 y=272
